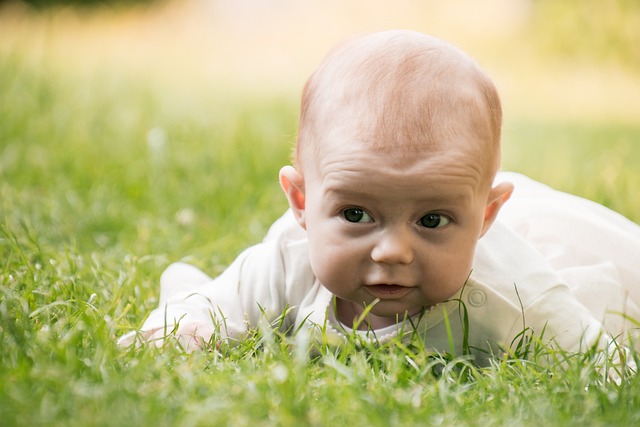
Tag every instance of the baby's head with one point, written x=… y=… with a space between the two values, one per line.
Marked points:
x=398 y=146
x=401 y=91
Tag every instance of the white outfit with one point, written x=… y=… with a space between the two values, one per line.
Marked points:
x=563 y=266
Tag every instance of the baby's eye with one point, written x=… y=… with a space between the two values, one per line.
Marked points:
x=434 y=220
x=356 y=215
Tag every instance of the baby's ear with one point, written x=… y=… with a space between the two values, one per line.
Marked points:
x=292 y=183
x=498 y=196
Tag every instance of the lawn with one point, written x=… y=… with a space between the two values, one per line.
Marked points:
x=102 y=185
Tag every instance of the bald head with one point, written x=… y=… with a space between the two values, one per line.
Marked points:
x=401 y=91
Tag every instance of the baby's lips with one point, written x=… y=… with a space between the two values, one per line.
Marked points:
x=391 y=283
x=388 y=291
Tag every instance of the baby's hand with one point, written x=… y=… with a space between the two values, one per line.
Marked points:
x=193 y=336
x=190 y=336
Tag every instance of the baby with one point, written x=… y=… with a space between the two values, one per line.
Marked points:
x=394 y=199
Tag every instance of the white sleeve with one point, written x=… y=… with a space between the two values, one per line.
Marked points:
x=523 y=291
x=252 y=287
x=558 y=318
x=563 y=322
x=575 y=233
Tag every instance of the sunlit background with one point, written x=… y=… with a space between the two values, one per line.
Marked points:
x=136 y=133
x=577 y=59
x=214 y=86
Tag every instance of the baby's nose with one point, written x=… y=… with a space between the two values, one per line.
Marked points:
x=394 y=247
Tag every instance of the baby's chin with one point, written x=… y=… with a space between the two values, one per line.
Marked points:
x=390 y=317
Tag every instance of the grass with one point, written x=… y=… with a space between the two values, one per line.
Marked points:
x=105 y=179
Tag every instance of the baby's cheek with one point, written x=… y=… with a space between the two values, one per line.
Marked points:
x=458 y=278
x=448 y=276
x=336 y=260
x=323 y=269
x=331 y=271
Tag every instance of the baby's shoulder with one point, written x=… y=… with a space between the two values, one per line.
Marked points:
x=508 y=265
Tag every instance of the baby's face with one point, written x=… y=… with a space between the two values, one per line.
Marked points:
x=398 y=227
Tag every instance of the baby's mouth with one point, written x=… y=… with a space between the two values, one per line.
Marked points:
x=385 y=291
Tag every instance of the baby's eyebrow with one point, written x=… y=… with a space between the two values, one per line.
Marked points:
x=350 y=193
x=347 y=192
x=430 y=197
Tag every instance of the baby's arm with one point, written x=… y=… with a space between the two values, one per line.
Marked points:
x=561 y=321
x=526 y=293
x=185 y=311
x=193 y=308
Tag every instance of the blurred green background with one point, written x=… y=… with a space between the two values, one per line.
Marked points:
x=135 y=135
x=161 y=126
x=119 y=121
